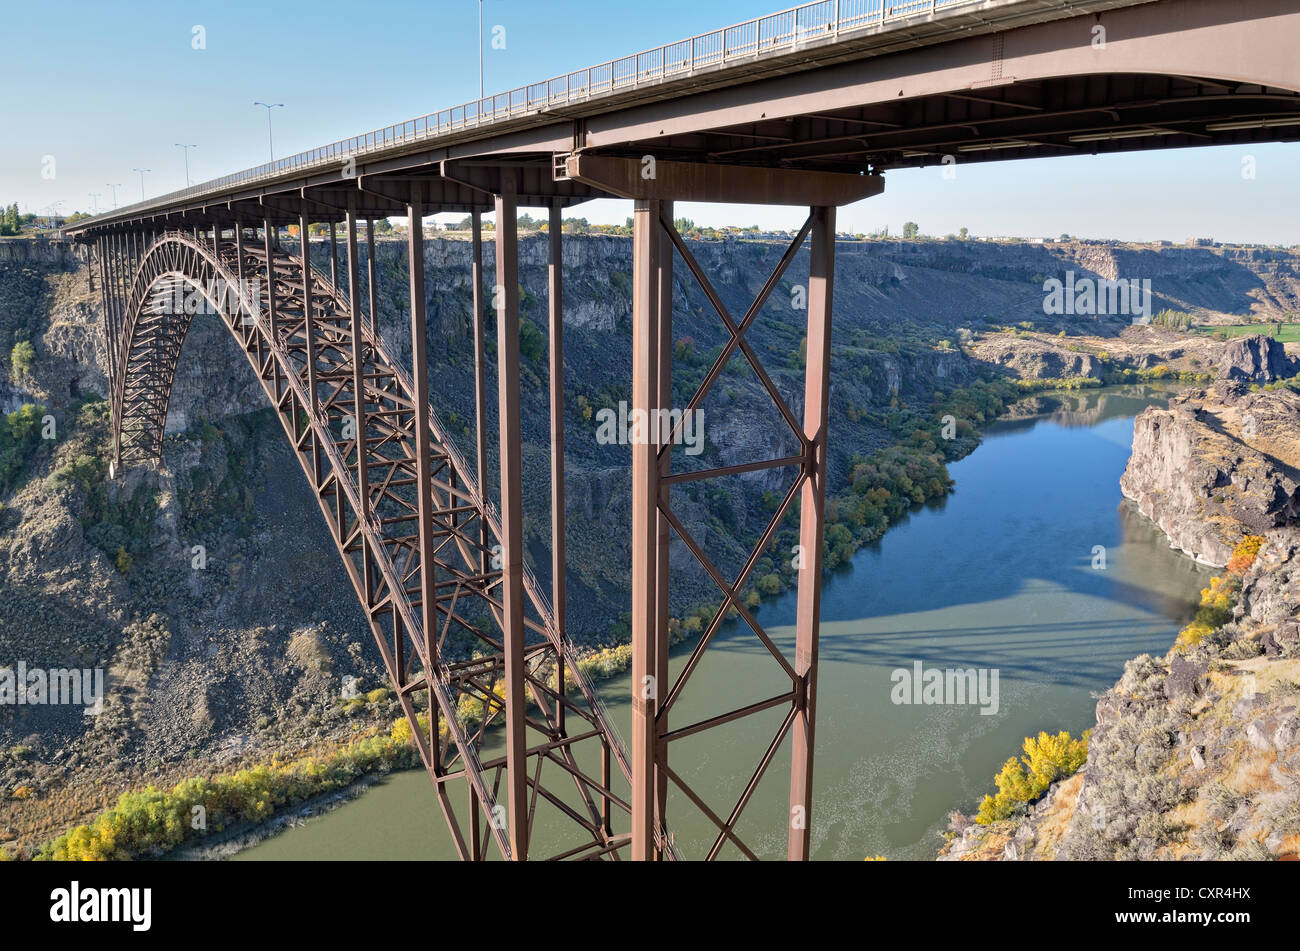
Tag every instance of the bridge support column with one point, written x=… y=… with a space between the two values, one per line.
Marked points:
x=359 y=411
x=555 y=272
x=423 y=450
x=512 y=541
x=334 y=254
x=654 y=520
x=272 y=322
x=646 y=254
x=812 y=506
x=480 y=372
x=663 y=399
x=372 y=288
x=309 y=333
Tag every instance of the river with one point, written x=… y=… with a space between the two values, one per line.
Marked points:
x=1002 y=575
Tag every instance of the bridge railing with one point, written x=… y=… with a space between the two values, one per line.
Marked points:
x=770 y=35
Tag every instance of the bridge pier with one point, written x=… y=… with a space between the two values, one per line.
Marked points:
x=506 y=295
x=655 y=239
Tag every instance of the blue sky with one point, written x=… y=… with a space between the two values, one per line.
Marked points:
x=108 y=87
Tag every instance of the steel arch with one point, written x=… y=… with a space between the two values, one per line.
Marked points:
x=358 y=453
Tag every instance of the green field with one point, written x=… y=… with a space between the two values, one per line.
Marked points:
x=1290 y=333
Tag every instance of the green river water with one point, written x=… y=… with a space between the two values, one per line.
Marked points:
x=999 y=576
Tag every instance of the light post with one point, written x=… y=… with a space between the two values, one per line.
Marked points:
x=270 y=142
x=480 y=54
x=94 y=202
x=142 y=171
x=187 y=148
x=115 y=186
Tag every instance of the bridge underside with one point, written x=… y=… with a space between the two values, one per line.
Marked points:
x=431 y=557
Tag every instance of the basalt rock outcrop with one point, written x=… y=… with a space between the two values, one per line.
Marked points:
x=1255 y=359
x=1215 y=466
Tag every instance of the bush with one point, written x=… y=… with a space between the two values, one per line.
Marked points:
x=153 y=820
x=22 y=357
x=1021 y=781
x=19 y=440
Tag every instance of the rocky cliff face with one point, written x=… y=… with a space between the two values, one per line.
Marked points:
x=1255 y=359
x=1202 y=469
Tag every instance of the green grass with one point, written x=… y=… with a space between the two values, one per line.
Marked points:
x=1290 y=333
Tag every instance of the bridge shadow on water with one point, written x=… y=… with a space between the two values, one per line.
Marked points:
x=1006 y=573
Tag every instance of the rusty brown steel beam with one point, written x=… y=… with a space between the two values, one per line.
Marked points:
x=646 y=251
x=360 y=406
x=649 y=177
x=555 y=306
x=309 y=333
x=811 y=519
x=334 y=252
x=480 y=383
x=506 y=294
x=663 y=277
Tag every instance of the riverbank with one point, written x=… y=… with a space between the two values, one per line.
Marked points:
x=1195 y=752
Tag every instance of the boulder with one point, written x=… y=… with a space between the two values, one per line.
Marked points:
x=1255 y=359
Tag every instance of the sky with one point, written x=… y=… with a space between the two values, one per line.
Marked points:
x=95 y=90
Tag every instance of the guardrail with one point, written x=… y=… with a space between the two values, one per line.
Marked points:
x=764 y=36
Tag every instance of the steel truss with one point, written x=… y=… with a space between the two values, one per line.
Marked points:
x=416 y=534
x=655 y=523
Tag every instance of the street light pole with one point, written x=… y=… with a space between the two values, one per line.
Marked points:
x=94 y=202
x=480 y=53
x=187 y=148
x=115 y=186
x=270 y=142
x=142 y=171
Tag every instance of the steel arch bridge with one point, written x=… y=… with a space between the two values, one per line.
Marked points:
x=807 y=107
x=366 y=453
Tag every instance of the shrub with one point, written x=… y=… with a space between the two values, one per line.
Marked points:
x=22 y=357
x=153 y=820
x=1020 y=781
x=1244 y=555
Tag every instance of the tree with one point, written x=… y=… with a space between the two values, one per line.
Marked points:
x=963 y=233
x=22 y=357
x=576 y=226
x=910 y=229
x=382 y=226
